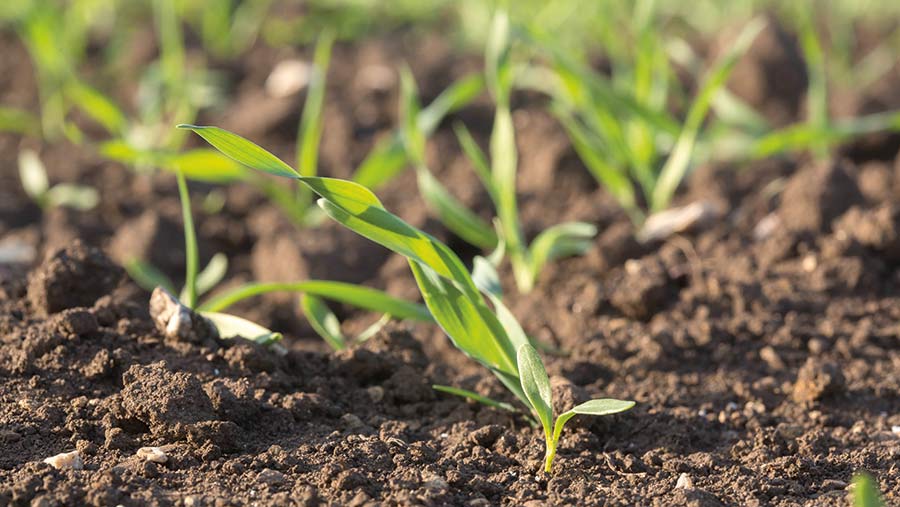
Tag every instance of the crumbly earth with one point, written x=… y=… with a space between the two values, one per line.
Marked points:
x=762 y=348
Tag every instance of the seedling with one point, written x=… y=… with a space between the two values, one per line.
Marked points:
x=33 y=175
x=498 y=177
x=620 y=128
x=536 y=386
x=865 y=491
x=452 y=295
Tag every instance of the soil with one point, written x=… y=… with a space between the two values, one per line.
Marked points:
x=762 y=348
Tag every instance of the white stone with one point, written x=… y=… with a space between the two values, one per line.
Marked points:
x=66 y=460
x=154 y=454
x=288 y=78
x=684 y=482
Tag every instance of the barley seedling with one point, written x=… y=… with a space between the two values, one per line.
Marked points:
x=453 y=296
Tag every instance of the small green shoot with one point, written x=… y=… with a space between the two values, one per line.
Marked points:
x=865 y=491
x=33 y=175
x=536 y=386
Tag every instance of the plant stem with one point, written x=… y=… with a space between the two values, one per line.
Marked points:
x=190 y=244
x=549 y=455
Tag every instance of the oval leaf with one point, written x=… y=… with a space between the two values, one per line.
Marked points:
x=536 y=384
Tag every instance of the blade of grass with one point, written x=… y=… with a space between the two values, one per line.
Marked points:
x=310 y=131
x=189 y=293
x=465 y=393
x=356 y=295
x=323 y=321
x=678 y=162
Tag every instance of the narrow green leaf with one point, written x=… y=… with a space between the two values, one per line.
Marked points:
x=212 y=274
x=412 y=136
x=205 y=165
x=865 y=491
x=676 y=166
x=358 y=209
x=18 y=121
x=561 y=240
x=242 y=150
x=189 y=294
x=465 y=393
x=310 y=132
x=388 y=157
x=456 y=217
x=97 y=106
x=536 y=385
x=323 y=321
x=454 y=97
x=33 y=175
x=485 y=276
x=148 y=277
x=230 y=326
x=477 y=158
x=466 y=320
x=356 y=295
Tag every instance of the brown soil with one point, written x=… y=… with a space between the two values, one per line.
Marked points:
x=764 y=359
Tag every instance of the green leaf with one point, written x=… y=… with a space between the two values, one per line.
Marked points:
x=485 y=276
x=206 y=165
x=388 y=157
x=18 y=121
x=189 y=294
x=229 y=326
x=467 y=321
x=33 y=175
x=599 y=407
x=148 y=277
x=536 y=385
x=454 y=97
x=477 y=158
x=97 y=106
x=865 y=491
x=311 y=119
x=242 y=150
x=412 y=136
x=677 y=165
x=356 y=295
x=358 y=209
x=456 y=217
x=561 y=240
x=465 y=393
x=212 y=274
x=79 y=197
x=323 y=321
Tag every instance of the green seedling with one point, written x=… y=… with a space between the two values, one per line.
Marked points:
x=865 y=491
x=320 y=317
x=453 y=296
x=499 y=178
x=619 y=126
x=536 y=386
x=33 y=176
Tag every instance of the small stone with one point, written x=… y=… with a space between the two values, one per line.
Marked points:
x=176 y=321
x=684 y=482
x=809 y=263
x=895 y=430
x=270 y=477
x=154 y=454
x=66 y=460
x=817 y=346
x=771 y=358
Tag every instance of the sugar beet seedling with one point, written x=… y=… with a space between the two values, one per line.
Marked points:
x=454 y=298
